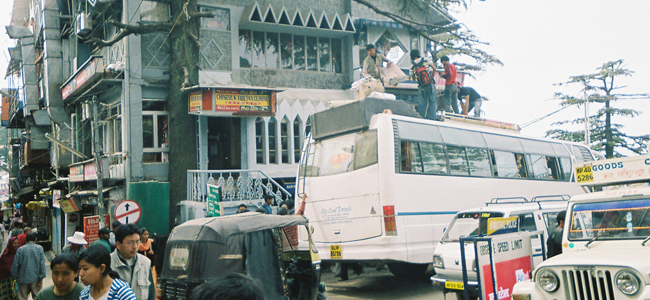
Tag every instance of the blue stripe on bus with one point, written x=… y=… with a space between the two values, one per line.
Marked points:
x=424 y=213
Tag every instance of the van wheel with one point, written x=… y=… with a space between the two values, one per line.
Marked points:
x=408 y=270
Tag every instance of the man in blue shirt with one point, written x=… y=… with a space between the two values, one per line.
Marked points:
x=29 y=268
x=268 y=199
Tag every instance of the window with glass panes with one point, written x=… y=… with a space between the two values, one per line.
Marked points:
x=270 y=50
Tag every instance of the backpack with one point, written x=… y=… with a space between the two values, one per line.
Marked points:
x=423 y=75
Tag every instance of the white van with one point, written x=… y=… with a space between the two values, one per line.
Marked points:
x=537 y=215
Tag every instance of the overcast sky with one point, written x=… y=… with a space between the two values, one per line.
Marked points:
x=542 y=43
x=545 y=42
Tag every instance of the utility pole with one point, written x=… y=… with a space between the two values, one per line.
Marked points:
x=97 y=146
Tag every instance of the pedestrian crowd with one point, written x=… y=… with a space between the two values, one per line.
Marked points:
x=122 y=270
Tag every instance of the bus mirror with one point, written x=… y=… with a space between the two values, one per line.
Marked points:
x=311 y=229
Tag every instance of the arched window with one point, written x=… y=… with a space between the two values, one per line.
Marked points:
x=259 y=140
x=297 y=138
x=284 y=140
x=273 y=141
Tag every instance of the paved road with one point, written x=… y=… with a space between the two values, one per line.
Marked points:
x=379 y=285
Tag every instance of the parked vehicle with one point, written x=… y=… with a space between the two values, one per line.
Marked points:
x=254 y=244
x=540 y=214
x=383 y=186
x=605 y=246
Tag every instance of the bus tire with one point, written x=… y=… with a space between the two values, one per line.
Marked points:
x=408 y=270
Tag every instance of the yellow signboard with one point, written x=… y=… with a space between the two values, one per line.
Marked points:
x=502 y=225
x=241 y=100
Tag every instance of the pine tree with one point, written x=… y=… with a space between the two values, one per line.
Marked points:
x=598 y=88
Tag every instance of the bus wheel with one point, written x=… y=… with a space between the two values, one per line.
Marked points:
x=408 y=270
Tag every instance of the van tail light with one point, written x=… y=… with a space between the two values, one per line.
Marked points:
x=389 y=220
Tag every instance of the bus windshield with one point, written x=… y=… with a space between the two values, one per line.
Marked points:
x=468 y=224
x=628 y=219
x=342 y=154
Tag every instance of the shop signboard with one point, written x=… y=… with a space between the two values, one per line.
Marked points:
x=6 y=106
x=90 y=170
x=511 y=263
x=69 y=205
x=91 y=228
x=77 y=173
x=232 y=102
x=89 y=72
x=214 y=201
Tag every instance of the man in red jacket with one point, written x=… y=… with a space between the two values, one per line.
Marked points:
x=451 y=86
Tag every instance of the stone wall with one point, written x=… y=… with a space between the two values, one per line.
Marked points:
x=216 y=50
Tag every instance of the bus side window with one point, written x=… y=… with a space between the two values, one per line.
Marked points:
x=433 y=158
x=457 y=160
x=410 y=157
x=565 y=164
x=479 y=162
x=521 y=165
x=552 y=164
x=541 y=167
x=506 y=165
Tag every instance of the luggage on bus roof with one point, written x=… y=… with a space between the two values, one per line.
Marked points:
x=355 y=116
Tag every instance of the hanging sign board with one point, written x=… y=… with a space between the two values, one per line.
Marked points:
x=232 y=102
x=214 y=201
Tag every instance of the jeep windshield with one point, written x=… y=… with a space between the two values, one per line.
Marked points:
x=629 y=219
x=468 y=224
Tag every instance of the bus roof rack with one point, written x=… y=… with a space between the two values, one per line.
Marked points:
x=507 y=200
x=446 y=117
x=564 y=197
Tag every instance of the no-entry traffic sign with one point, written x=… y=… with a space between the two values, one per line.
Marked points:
x=127 y=211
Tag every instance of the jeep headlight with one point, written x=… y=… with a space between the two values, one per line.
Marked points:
x=437 y=262
x=627 y=283
x=548 y=281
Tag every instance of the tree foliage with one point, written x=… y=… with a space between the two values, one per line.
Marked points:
x=599 y=88
x=453 y=38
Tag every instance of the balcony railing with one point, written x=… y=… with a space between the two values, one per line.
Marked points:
x=116 y=165
x=237 y=186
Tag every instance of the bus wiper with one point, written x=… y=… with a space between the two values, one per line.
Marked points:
x=593 y=239
x=645 y=241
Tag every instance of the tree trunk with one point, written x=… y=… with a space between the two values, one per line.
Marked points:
x=182 y=126
x=609 y=140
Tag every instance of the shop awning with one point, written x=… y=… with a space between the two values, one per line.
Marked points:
x=87 y=193
x=25 y=191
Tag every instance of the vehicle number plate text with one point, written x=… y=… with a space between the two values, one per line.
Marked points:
x=335 y=251
x=454 y=285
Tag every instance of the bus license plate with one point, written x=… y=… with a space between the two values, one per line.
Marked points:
x=335 y=251
x=454 y=285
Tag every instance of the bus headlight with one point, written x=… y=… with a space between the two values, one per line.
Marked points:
x=548 y=281
x=627 y=283
x=437 y=262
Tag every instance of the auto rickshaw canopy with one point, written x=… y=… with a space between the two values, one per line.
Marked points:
x=219 y=229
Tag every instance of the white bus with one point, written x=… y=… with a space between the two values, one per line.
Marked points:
x=383 y=186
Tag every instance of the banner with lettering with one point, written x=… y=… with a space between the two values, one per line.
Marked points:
x=512 y=263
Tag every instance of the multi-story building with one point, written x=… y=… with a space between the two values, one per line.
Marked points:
x=87 y=95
